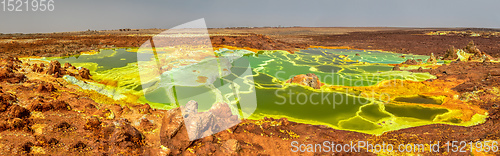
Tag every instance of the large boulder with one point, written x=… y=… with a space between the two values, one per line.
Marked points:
x=181 y=126
x=84 y=73
x=173 y=133
x=54 y=68
x=126 y=136
x=202 y=124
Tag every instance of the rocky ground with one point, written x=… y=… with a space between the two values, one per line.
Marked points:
x=42 y=114
x=414 y=41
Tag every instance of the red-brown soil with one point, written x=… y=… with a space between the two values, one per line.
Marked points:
x=65 y=44
x=42 y=114
x=406 y=41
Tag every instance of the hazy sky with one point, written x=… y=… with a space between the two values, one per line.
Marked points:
x=77 y=15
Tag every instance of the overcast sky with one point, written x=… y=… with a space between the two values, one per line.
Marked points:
x=77 y=15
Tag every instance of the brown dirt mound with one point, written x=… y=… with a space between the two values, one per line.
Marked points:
x=310 y=80
x=8 y=71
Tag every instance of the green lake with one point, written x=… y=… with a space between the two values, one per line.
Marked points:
x=254 y=85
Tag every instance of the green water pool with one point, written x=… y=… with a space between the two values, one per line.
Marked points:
x=273 y=98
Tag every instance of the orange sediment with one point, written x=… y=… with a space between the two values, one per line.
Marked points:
x=435 y=88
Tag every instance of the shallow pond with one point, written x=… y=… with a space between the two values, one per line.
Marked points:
x=264 y=85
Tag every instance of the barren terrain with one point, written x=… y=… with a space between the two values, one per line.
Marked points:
x=42 y=114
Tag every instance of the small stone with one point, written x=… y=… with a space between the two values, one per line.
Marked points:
x=41 y=141
x=231 y=146
x=92 y=123
x=145 y=109
x=396 y=68
x=60 y=105
x=125 y=135
x=284 y=121
x=432 y=59
x=79 y=146
x=420 y=69
x=53 y=141
x=410 y=62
